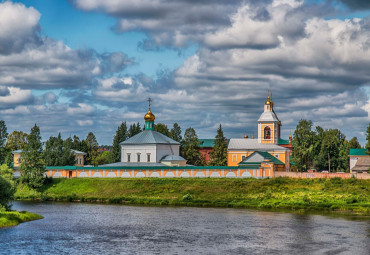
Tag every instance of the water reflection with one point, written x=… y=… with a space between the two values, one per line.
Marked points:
x=112 y=229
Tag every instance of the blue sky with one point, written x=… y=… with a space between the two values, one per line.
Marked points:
x=86 y=65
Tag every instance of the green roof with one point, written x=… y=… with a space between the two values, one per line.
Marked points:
x=358 y=152
x=283 y=142
x=265 y=155
x=208 y=142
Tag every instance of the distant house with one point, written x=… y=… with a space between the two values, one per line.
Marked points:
x=80 y=158
x=359 y=161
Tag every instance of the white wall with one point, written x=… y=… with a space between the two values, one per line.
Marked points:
x=352 y=162
x=135 y=149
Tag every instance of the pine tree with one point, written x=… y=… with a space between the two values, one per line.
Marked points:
x=218 y=157
x=190 y=148
x=303 y=145
x=120 y=136
x=32 y=165
x=368 y=139
x=92 y=148
x=134 y=129
x=162 y=128
x=354 y=144
x=175 y=132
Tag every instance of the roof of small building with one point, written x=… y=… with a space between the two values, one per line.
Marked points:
x=268 y=116
x=283 y=142
x=150 y=137
x=209 y=142
x=263 y=156
x=358 y=152
x=362 y=164
x=172 y=158
x=252 y=144
x=78 y=152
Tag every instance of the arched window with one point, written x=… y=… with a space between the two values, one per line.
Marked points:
x=267 y=133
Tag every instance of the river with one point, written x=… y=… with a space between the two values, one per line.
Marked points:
x=79 y=228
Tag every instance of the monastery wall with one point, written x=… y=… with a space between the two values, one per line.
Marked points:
x=322 y=175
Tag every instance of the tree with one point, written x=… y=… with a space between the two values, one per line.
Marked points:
x=134 y=129
x=3 y=137
x=162 y=128
x=354 y=144
x=58 y=152
x=303 y=145
x=368 y=139
x=175 y=133
x=120 y=136
x=7 y=187
x=92 y=148
x=102 y=158
x=190 y=148
x=32 y=165
x=68 y=157
x=218 y=157
x=17 y=140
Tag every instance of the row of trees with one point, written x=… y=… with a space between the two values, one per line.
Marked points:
x=315 y=147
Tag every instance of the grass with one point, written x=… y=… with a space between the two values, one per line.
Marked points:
x=336 y=194
x=13 y=218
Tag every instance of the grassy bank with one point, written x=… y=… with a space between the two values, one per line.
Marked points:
x=13 y=218
x=350 y=195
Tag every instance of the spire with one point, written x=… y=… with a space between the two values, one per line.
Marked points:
x=245 y=135
x=149 y=118
x=269 y=104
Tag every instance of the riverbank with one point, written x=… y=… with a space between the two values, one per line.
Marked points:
x=13 y=218
x=339 y=195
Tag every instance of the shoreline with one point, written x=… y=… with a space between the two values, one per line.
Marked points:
x=351 y=196
x=14 y=218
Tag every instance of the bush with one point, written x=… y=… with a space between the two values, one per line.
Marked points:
x=6 y=193
x=187 y=197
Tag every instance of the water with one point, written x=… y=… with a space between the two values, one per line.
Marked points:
x=73 y=228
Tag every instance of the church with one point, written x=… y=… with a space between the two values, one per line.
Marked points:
x=150 y=148
x=268 y=150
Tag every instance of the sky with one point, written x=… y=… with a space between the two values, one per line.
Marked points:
x=75 y=66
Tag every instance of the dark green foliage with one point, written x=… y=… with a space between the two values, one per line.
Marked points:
x=3 y=137
x=303 y=143
x=218 y=157
x=58 y=152
x=33 y=165
x=354 y=144
x=92 y=148
x=120 y=136
x=190 y=148
x=175 y=133
x=7 y=187
x=102 y=158
x=79 y=145
x=17 y=140
x=162 y=128
x=134 y=129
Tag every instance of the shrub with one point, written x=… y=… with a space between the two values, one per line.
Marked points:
x=187 y=197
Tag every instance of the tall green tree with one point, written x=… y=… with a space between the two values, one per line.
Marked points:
x=368 y=139
x=190 y=146
x=162 y=128
x=68 y=157
x=32 y=164
x=134 y=129
x=92 y=148
x=120 y=136
x=3 y=137
x=175 y=133
x=7 y=187
x=17 y=140
x=354 y=144
x=58 y=152
x=303 y=145
x=218 y=157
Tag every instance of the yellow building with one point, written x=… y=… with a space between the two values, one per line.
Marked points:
x=264 y=151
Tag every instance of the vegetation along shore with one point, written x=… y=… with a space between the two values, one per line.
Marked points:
x=13 y=218
x=338 y=195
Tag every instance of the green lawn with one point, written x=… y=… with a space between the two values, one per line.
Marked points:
x=13 y=218
x=350 y=195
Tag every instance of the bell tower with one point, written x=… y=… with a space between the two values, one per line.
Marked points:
x=268 y=124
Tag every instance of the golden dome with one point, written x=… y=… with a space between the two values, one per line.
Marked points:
x=149 y=116
x=245 y=136
x=269 y=101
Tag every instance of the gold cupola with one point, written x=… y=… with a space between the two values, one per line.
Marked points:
x=149 y=118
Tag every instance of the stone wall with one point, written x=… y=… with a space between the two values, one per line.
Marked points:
x=322 y=175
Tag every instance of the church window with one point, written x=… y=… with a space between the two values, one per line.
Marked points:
x=138 y=157
x=128 y=157
x=267 y=133
x=148 y=157
x=243 y=157
x=276 y=155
